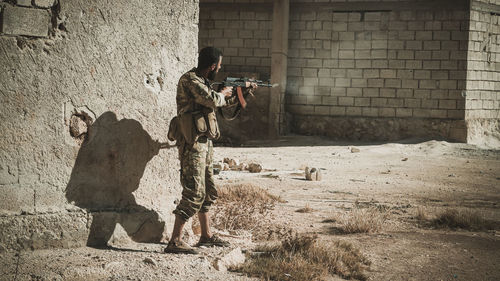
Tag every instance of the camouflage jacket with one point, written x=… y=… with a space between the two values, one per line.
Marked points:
x=194 y=93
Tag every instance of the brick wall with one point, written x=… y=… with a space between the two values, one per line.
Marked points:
x=378 y=64
x=244 y=36
x=483 y=73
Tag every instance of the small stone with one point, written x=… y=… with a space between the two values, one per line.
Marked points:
x=225 y=167
x=151 y=261
x=254 y=168
x=354 y=150
x=404 y=159
x=233 y=258
x=313 y=174
x=232 y=162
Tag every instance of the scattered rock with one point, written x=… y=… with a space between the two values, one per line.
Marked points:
x=225 y=167
x=151 y=261
x=355 y=150
x=254 y=168
x=233 y=258
x=404 y=159
x=218 y=165
x=232 y=162
x=313 y=174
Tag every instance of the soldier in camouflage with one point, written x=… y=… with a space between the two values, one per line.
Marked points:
x=199 y=192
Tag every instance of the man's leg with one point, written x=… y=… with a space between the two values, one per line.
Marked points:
x=207 y=239
x=205 y=224
x=178 y=227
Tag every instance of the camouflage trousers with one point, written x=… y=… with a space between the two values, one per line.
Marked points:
x=197 y=178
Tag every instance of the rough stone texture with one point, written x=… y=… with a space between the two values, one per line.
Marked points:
x=483 y=75
x=25 y=21
x=44 y=3
x=25 y=3
x=355 y=128
x=119 y=62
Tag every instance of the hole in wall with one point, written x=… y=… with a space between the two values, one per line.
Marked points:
x=79 y=126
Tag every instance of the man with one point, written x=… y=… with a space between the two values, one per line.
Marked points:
x=194 y=94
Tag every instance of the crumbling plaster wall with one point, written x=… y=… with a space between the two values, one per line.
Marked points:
x=117 y=62
x=483 y=74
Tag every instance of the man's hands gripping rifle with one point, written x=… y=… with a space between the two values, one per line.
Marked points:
x=241 y=88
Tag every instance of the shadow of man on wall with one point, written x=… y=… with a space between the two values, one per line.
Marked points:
x=108 y=168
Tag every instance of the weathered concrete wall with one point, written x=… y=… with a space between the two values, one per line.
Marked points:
x=86 y=89
x=483 y=74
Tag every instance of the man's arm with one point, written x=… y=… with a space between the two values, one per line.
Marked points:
x=206 y=96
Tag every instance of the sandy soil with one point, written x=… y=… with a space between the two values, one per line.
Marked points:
x=400 y=177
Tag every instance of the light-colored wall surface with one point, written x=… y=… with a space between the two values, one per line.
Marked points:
x=118 y=62
x=483 y=75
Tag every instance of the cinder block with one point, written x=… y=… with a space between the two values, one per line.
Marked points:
x=393 y=83
x=413 y=103
x=441 y=35
x=397 y=64
x=423 y=55
x=405 y=74
x=351 y=73
x=346 y=54
x=338 y=92
x=376 y=83
x=363 y=64
x=414 y=45
x=414 y=64
x=404 y=112
x=337 y=111
x=353 y=111
x=378 y=102
x=370 y=112
x=371 y=92
x=322 y=110
x=378 y=54
x=25 y=21
x=428 y=103
x=306 y=90
x=347 y=101
x=327 y=81
x=406 y=55
x=379 y=44
x=346 y=63
x=380 y=64
x=432 y=45
x=387 y=93
x=428 y=84
x=448 y=104
x=409 y=83
x=356 y=82
x=329 y=101
x=387 y=112
x=322 y=91
x=362 y=101
x=354 y=92
x=362 y=54
x=430 y=64
x=440 y=55
x=342 y=82
x=437 y=113
x=314 y=100
x=371 y=73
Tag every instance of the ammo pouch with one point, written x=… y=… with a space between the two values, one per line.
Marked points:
x=174 y=130
x=205 y=122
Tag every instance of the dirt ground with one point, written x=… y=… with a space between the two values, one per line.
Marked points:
x=398 y=177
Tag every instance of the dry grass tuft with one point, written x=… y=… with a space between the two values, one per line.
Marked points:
x=306 y=209
x=421 y=214
x=366 y=220
x=300 y=257
x=242 y=206
x=465 y=219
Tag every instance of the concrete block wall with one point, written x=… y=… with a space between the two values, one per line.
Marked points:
x=403 y=64
x=483 y=74
x=243 y=35
x=86 y=92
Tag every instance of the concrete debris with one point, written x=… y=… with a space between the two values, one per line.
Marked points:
x=254 y=168
x=232 y=162
x=313 y=174
x=225 y=167
x=354 y=150
x=233 y=258
x=151 y=261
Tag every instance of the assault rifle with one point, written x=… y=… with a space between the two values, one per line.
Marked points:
x=238 y=85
